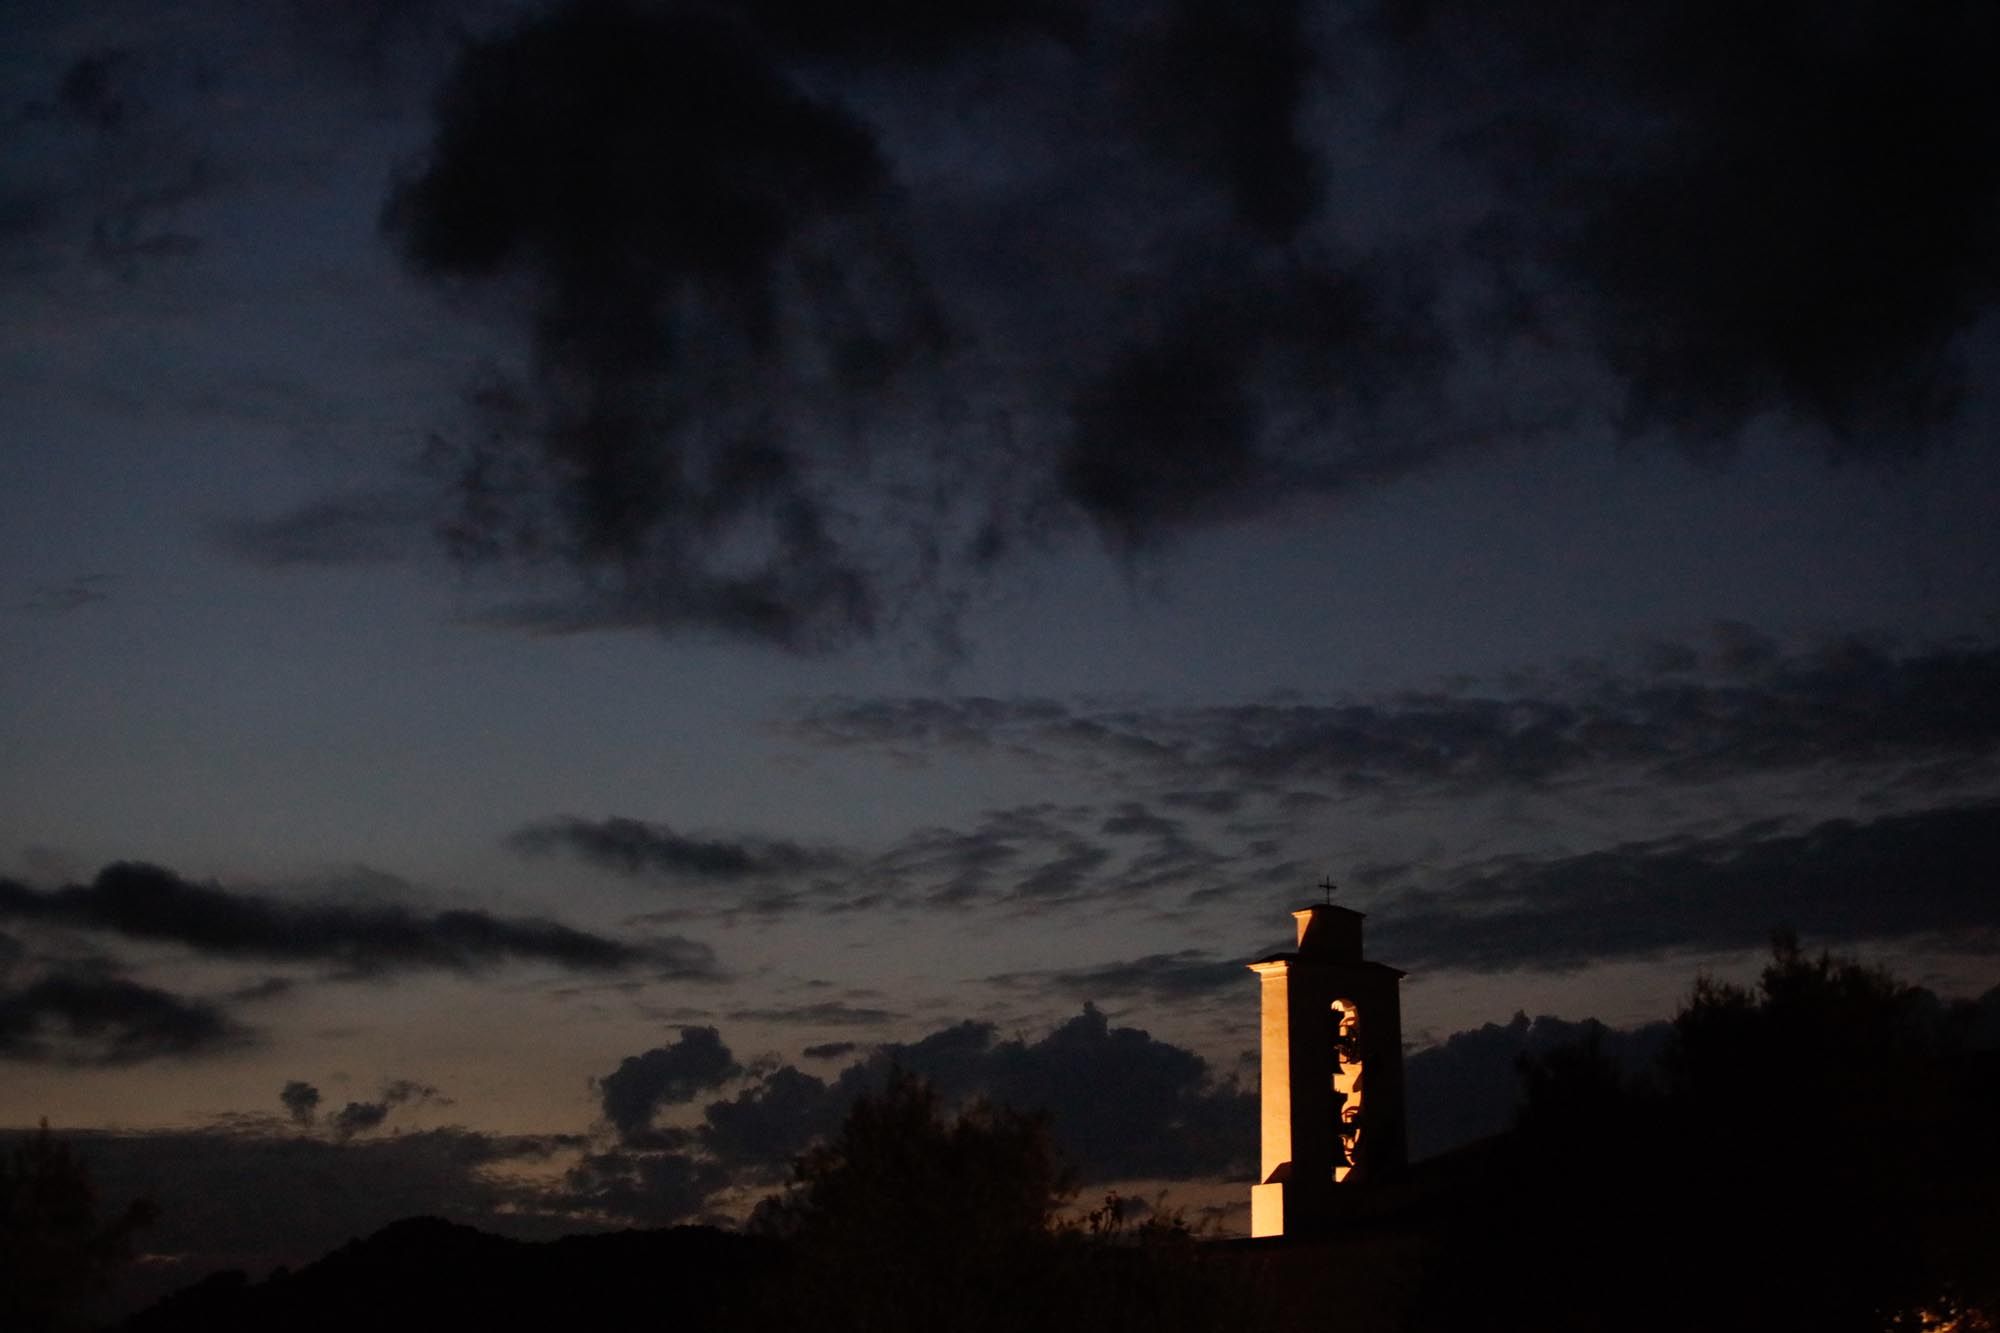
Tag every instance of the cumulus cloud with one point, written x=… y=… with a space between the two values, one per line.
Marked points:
x=770 y=1122
x=301 y=1101
x=1123 y=1103
x=357 y=1118
x=149 y=903
x=633 y=1094
x=650 y=1189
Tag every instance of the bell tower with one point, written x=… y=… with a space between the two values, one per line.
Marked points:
x=1332 y=1073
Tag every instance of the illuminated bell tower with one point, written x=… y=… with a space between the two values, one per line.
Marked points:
x=1332 y=1073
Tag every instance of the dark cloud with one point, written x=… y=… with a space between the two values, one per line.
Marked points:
x=301 y=1101
x=645 y=170
x=633 y=1093
x=1218 y=84
x=1928 y=874
x=270 y=988
x=770 y=1122
x=361 y=528
x=1469 y=1085
x=409 y=1092
x=55 y=599
x=1210 y=802
x=1792 y=210
x=88 y=1016
x=91 y=90
x=654 y=1189
x=357 y=1118
x=1132 y=819
x=140 y=227
x=902 y=32
x=1167 y=436
x=746 y=300
x=147 y=902
x=1182 y=975
x=393 y=46
x=632 y=847
x=830 y=1050
x=829 y=312
x=106 y=158
x=709 y=159
x=1851 y=703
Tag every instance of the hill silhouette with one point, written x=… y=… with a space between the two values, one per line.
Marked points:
x=427 y=1273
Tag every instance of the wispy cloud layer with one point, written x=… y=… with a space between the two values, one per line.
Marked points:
x=144 y=902
x=86 y=1016
x=633 y=847
x=1928 y=874
x=1186 y=974
x=1922 y=877
x=1852 y=703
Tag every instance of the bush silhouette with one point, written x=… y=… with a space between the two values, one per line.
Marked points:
x=55 y=1255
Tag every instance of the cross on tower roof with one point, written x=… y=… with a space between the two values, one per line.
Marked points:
x=1328 y=886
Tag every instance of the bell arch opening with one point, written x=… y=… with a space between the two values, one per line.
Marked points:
x=1347 y=1089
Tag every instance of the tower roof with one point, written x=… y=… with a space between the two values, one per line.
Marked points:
x=1329 y=932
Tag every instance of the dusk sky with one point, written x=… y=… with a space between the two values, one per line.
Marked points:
x=577 y=578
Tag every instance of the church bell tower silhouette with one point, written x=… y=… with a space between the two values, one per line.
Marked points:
x=1332 y=1073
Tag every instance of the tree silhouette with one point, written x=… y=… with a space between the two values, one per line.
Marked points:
x=1816 y=1152
x=54 y=1253
x=912 y=1218
x=907 y=1219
